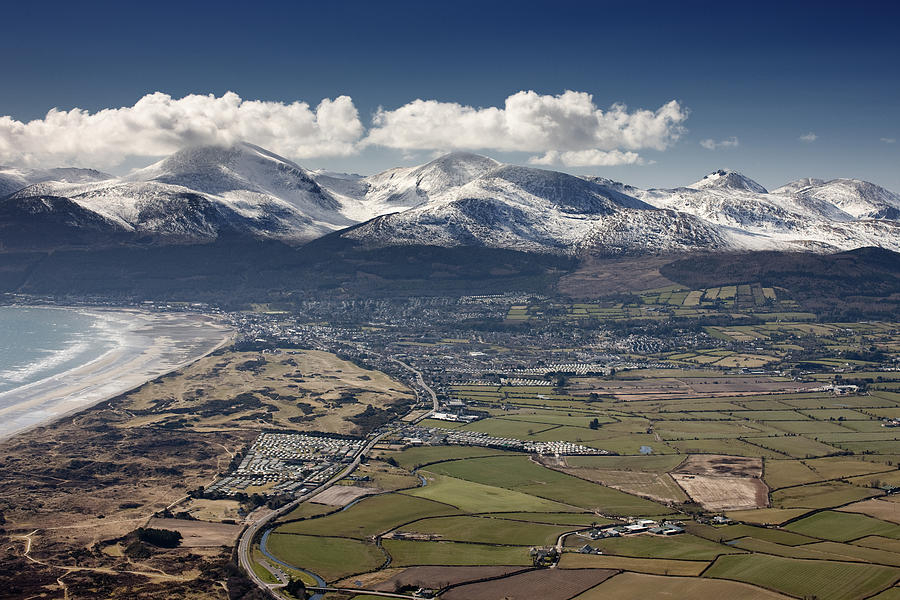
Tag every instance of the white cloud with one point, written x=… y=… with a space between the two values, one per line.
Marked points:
x=711 y=144
x=158 y=124
x=887 y=140
x=531 y=122
x=809 y=137
x=567 y=128
x=587 y=158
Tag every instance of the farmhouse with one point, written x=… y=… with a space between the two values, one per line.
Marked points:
x=666 y=530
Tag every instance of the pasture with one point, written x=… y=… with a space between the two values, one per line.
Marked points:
x=803 y=578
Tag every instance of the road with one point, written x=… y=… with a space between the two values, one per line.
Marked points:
x=421 y=381
x=245 y=544
x=246 y=541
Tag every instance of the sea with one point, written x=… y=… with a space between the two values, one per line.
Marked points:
x=39 y=343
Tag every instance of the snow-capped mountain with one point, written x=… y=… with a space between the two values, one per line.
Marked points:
x=13 y=179
x=398 y=189
x=459 y=199
x=728 y=180
x=539 y=211
x=859 y=199
x=803 y=215
x=198 y=193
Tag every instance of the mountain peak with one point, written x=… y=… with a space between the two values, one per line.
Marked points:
x=725 y=179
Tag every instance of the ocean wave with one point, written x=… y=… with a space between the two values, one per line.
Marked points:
x=47 y=363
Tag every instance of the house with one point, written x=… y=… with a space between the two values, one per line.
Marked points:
x=635 y=528
x=609 y=532
x=588 y=549
x=720 y=520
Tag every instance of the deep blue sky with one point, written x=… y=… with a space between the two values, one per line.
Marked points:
x=763 y=72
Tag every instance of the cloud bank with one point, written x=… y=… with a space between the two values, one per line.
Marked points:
x=711 y=144
x=158 y=124
x=568 y=129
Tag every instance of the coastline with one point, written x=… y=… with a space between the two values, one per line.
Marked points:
x=151 y=345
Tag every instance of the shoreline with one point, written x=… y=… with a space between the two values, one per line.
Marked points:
x=151 y=348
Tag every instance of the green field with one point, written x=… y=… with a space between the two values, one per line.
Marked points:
x=477 y=497
x=407 y=553
x=660 y=566
x=779 y=536
x=412 y=458
x=369 y=517
x=805 y=578
x=332 y=558
x=841 y=526
x=520 y=474
x=820 y=495
x=488 y=530
x=576 y=519
x=634 y=586
x=684 y=547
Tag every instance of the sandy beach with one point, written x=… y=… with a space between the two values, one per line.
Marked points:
x=148 y=345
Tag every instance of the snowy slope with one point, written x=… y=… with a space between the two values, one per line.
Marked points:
x=199 y=192
x=455 y=200
x=803 y=215
x=535 y=210
x=406 y=187
x=859 y=199
x=13 y=179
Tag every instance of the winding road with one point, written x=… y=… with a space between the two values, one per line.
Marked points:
x=245 y=543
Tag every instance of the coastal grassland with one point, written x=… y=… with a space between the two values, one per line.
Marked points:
x=522 y=475
x=369 y=517
x=292 y=389
x=628 y=586
x=408 y=553
x=329 y=557
x=478 y=497
x=660 y=566
x=828 y=580
x=486 y=530
x=82 y=483
x=842 y=527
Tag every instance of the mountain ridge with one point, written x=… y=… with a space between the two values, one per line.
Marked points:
x=459 y=199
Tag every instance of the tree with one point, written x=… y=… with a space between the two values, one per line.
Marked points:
x=297 y=589
x=164 y=538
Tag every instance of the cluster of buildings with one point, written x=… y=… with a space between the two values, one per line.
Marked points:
x=635 y=526
x=435 y=436
x=286 y=463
